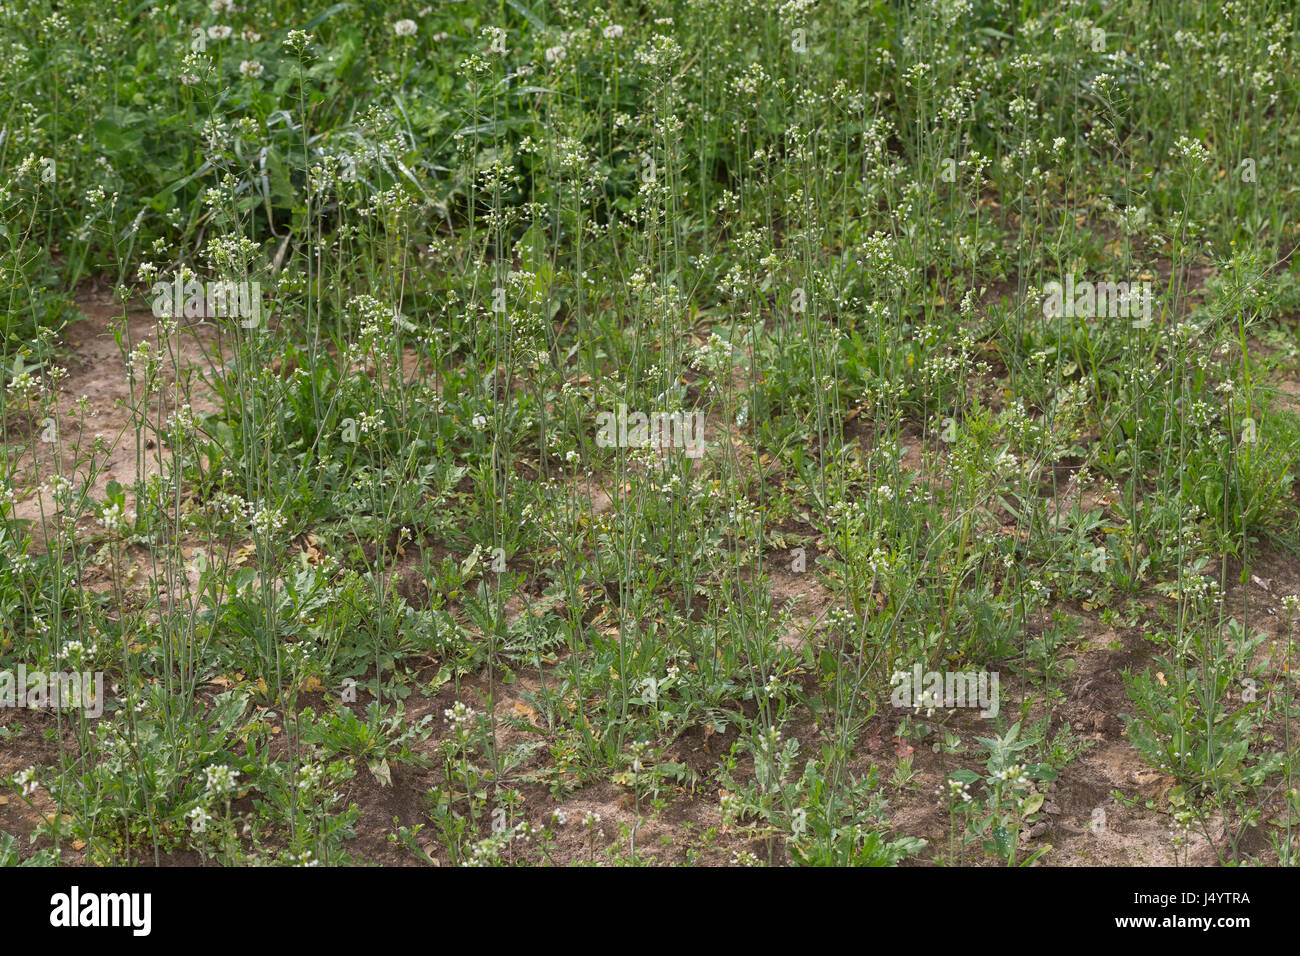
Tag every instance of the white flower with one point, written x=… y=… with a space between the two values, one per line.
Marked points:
x=310 y=775
x=267 y=520
x=251 y=35
x=27 y=779
x=222 y=6
x=459 y=715
x=404 y=28
x=638 y=751
x=555 y=54
x=220 y=780
x=1192 y=150
x=75 y=651
x=496 y=38
x=220 y=31
x=297 y=41
x=113 y=518
x=250 y=68
x=199 y=819
x=612 y=32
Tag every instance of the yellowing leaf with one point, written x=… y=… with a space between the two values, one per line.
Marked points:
x=381 y=771
x=312 y=550
x=520 y=709
x=468 y=564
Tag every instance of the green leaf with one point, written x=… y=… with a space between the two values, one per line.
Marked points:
x=113 y=137
x=187 y=180
x=1036 y=855
x=527 y=14
x=1002 y=839
x=325 y=15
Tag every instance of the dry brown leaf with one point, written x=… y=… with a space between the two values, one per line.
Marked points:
x=521 y=709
